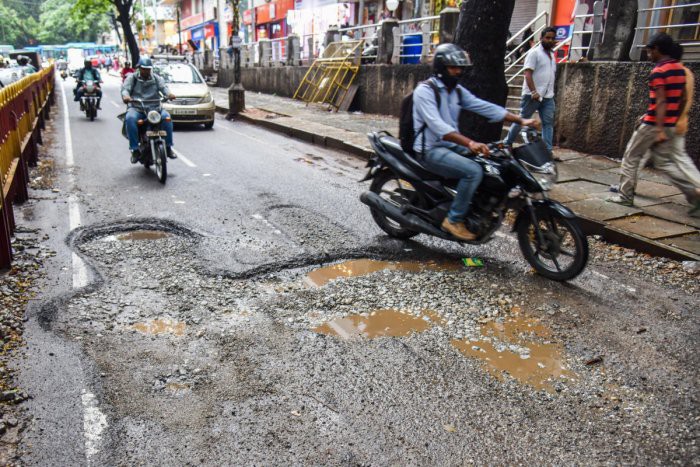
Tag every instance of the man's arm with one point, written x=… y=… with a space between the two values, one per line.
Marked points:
x=531 y=85
x=128 y=84
x=661 y=114
x=492 y=111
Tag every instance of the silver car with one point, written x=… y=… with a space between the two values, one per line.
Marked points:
x=193 y=102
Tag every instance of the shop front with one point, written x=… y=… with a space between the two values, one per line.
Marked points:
x=271 y=19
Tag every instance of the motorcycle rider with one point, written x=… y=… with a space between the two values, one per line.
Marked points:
x=27 y=67
x=439 y=145
x=147 y=85
x=127 y=70
x=87 y=73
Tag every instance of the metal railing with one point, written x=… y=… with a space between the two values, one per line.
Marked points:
x=669 y=19
x=512 y=59
x=587 y=31
x=427 y=30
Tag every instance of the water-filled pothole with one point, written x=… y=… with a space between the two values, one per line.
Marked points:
x=161 y=326
x=361 y=267
x=379 y=323
x=136 y=235
x=520 y=348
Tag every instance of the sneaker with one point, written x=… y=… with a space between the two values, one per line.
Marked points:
x=458 y=229
x=170 y=153
x=614 y=188
x=694 y=211
x=135 y=156
x=621 y=199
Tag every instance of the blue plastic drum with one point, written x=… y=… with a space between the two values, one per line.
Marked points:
x=412 y=46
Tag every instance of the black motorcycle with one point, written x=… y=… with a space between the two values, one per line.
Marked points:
x=152 y=144
x=88 y=100
x=406 y=199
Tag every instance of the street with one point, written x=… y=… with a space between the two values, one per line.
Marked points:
x=250 y=312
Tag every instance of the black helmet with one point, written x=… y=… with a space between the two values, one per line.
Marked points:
x=449 y=55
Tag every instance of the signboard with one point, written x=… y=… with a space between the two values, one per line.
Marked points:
x=248 y=17
x=197 y=34
x=562 y=32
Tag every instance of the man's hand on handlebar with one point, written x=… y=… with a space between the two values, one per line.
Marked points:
x=479 y=148
x=171 y=96
x=126 y=99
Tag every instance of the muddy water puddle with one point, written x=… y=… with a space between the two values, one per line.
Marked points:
x=362 y=267
x=380 y=323
x=519 y=347
x=137 y=235
x=160 y=326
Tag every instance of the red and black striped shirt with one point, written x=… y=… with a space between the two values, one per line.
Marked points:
x=671 y=75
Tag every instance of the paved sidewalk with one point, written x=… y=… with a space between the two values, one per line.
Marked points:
x=658 y=223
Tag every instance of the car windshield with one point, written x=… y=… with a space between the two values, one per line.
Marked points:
x=179 y=73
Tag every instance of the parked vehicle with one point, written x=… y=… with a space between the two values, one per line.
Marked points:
x=152 y=144
x=406 y=199
x=88 y=101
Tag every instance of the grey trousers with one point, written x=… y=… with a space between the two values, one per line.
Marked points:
x=682 y=170
x=642 y=140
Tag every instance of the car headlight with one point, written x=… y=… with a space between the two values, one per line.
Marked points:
x=206 y=99
x=546 y=175
x=153 y=117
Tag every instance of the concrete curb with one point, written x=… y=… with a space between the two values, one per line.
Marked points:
x=589 y=226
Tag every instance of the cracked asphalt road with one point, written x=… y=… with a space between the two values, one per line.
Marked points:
x=198 y=347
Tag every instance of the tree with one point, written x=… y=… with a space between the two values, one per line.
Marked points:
x=124 y=10
x=16 y=29
x=57 y=25
x=482 y=31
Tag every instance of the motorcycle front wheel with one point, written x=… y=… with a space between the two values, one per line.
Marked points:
x=161 y=163
x=397 y=192
x=556 y=248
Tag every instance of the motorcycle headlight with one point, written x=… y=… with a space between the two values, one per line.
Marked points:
x=546 y=175
x=153 y=117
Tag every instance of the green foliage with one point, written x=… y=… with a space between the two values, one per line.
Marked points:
x=17 y=27
x=59 y=23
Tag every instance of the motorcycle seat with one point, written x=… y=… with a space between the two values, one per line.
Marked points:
x=393 y=146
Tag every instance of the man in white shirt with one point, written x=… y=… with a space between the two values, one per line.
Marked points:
x=538 y=88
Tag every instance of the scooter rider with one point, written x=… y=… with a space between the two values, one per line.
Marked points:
x=439 y=145
x=146 y=85
x=88 y=73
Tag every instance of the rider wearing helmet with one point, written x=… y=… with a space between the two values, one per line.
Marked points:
x=87 y=73
x=146 y=85
x=27 y=67
x=439 y=145
x=127 y=70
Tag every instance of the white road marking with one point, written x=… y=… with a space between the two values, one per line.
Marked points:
x=267 y=223
x=603 y=276
x=80 y=274
x=185 y=160
x=66 y=129
x=94 y=423
x=114 y=103
x=246 y=136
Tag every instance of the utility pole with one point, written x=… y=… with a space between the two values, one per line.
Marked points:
x=155 y=22
x=179 y=32
x=236 y=93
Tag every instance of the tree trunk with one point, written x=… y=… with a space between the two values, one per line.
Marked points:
x=124 y=18
x=482 y=31
x=619 y=32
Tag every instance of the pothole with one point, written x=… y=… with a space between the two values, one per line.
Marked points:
x=160 y=326
x=519 y=347
x=137 y=235
x=379 y=323
x=362 y=267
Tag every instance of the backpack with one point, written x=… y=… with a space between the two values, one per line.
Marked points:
x=407 y=134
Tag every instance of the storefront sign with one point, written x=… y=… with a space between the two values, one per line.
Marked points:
x=248 y=17
x=562 y=32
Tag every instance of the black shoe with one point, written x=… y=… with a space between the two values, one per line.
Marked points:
x=82 y=107
x=169 y=152
x=135 y=156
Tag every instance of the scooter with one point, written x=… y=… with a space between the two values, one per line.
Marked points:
x=405 y=200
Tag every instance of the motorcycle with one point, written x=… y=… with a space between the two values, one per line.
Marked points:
x=152 y=144
x=64 y=74
x=88 y=101
x=405 y=199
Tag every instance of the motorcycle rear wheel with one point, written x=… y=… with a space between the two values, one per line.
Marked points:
x=561 y=238
x=161 y=164
x=394 y=190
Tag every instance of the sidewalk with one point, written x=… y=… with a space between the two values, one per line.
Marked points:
x=658 y=224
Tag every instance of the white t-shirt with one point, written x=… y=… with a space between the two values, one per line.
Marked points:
x=544 y=69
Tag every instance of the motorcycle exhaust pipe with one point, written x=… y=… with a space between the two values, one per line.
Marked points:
x=408 y=220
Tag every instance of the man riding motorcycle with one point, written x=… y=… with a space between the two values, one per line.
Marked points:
x=27 y=67
x=87 y=73
x=148 y=86
x=439 y=145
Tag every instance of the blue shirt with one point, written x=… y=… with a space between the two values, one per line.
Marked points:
x=445 y=120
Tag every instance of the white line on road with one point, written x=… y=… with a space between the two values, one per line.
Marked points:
x=185 y=160
x=245 y=135
x=66 y=129
x=80 y=274
x=94 y=423
x=114 y=103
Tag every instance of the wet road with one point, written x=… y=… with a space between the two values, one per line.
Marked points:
x=222 y=340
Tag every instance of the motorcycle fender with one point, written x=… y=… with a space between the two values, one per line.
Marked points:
x=542 y=204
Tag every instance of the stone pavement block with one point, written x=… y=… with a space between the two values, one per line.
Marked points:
x=577 y=190
x=673 y=212
x=652 y=227
x=646 y=174
x=689 y=243
x=601 y=210
x=655 y=190
x=601 y=176
x=678 y=199
x=567 y=154
x=594 y=163
x=567 y=173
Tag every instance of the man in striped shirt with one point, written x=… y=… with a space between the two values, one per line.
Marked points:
x=666 y=94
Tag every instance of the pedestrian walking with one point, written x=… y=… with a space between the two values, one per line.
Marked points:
x=658 y=132
x=538 y=88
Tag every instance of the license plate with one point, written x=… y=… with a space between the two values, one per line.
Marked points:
x=157 y=133
x=184 y=111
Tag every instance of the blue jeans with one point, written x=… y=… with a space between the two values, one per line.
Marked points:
x=132 y=127
x=528 y=106
x=448 y=160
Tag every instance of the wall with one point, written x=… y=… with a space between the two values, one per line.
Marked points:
x=598 y=104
